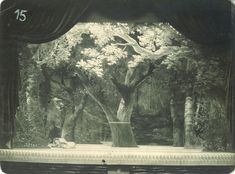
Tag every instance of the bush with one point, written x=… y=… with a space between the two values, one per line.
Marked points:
x=211 y=126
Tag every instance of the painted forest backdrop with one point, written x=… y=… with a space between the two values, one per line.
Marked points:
x=129 y=84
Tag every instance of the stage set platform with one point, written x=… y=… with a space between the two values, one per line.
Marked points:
x=84 y=154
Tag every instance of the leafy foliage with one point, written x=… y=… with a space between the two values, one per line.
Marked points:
x=108 y=60
x=209 y=125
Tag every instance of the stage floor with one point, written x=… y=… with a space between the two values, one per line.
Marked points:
x=107 y=155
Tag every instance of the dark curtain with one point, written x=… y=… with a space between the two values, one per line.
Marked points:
x=8 y=90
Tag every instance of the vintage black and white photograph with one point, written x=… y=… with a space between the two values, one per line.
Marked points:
x=122 y=89
x=122 y=85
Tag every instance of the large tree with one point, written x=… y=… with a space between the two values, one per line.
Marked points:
x=66 y=100
x=120 y=56
x=126 y=55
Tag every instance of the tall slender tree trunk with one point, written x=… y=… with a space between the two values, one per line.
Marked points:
x=188 y=118
x=44 y=93
x=177 y=123
x=70 y=122
x=188 y=110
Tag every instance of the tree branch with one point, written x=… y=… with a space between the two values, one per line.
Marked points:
x=82 y=104
x=120 y=86
x=94 y=117
x=122 y=44
x=124 y=89
x=158 y=54
x=108 y=112
x=78 y=110
x=130 y=41
x=139 y=81
x=67 y=89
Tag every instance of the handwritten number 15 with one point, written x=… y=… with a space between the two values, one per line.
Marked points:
x=20 y=15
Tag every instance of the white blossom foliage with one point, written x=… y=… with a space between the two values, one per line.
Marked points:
x=114 y=43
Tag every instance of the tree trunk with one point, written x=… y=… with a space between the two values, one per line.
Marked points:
x=122 y=135
x=177 y=124
x=44 y=93
x=188 y=116
x=121 y=131
x=71 y=121
x=69 y=127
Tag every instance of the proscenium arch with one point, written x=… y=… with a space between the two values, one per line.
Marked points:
x=207 y=22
